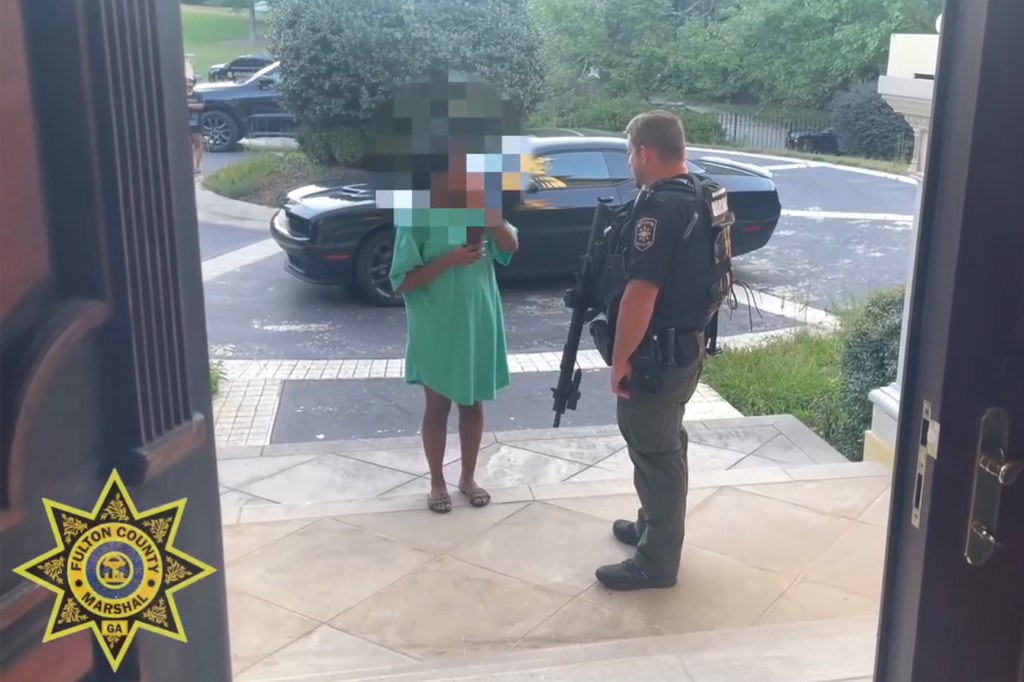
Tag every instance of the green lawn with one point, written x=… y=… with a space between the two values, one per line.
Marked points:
x=214 y=35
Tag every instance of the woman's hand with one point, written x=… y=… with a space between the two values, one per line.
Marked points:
x=466 y=255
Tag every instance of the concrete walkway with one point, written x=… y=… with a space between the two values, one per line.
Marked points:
x=780 y=530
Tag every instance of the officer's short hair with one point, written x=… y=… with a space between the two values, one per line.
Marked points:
x=660 y=130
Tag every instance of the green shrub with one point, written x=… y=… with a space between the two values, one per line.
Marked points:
x=870 y=355
x=342 y=145
x=867 y=126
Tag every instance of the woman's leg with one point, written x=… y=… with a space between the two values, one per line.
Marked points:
x=197 y=151
x=471 y=432
x=200 y=147
x=435 y=437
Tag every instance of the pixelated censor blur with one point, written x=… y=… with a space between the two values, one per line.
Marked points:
x=448 y=153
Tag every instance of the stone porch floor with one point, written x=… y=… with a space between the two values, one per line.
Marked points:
x=321 y=472
x=378 y=582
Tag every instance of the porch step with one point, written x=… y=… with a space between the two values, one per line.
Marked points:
x=268 y=512
x=839 y=650
x=348 y=477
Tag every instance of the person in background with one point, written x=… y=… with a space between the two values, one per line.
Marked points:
x=195 y=125
x=443 y=265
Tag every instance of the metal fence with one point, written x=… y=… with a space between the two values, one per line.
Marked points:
x=802 y=133
x=765 y=132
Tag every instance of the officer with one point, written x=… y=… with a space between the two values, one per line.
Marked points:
x=658 y=349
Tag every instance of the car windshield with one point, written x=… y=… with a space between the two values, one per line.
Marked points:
x=265 y=71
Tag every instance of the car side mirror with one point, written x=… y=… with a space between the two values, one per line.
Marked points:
x=532 y=187
x=266 y=83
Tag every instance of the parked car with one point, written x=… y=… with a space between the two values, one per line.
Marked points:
x=813 y=141
x=251 y=108
x=239 y=67
x=333 y=233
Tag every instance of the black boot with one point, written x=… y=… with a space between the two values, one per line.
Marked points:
x=628 y=576
x=626 y=532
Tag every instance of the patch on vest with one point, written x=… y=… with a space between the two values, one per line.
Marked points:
x=643 y=235
x=719 y=204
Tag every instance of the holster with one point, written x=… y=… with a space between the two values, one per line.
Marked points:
x=648 y=368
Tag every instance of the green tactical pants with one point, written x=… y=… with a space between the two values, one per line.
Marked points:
x=657 y=441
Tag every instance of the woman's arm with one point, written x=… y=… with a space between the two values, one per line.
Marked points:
x=420 y=277
x=504 y=236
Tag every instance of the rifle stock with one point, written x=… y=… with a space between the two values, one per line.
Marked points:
x=580 y=299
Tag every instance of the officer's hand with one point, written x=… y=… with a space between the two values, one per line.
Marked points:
x=467 y=255
x=620 y=379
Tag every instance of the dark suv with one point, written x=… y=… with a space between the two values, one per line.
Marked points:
x=249 y=109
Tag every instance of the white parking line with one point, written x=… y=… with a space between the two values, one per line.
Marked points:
x=239 y=258
x=849 y=215
x=787 y=166
x=818 y=164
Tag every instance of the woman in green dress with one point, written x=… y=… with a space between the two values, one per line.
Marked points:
x=443 y=265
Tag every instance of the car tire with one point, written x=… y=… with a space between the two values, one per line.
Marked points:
x=373 y=266
x=220 y=131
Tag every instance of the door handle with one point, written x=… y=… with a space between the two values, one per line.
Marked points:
x=992 y=473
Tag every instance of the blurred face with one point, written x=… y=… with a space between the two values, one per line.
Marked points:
x=457 y=188
x=189 y=86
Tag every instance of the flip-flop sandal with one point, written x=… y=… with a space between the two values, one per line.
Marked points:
x=477 y=498
x=442 y=504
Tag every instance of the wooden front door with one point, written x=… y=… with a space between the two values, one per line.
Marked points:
x=953 y=601
x=103 y=360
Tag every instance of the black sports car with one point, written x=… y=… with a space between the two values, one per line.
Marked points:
x=334 y=233
x=239 y=67
x=251 y=108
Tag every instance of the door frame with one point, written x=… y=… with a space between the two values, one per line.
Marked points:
x=941 y=618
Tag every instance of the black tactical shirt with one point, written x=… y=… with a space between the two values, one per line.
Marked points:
x=658 y=250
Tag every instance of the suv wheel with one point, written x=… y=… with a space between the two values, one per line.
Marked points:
x=220 y=131
x=373 y=266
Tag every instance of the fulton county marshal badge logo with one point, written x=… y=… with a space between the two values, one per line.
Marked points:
x=115 y=569
x=644 y=234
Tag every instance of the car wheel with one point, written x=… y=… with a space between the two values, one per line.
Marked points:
x=373 y=268
x=219 y=131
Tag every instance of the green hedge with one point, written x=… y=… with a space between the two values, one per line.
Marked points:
x=870 y=355
x=345 y=146
x=823 y=381
x=867 y=126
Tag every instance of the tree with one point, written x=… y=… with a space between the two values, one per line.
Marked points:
x=340 y=59
x=794 y=51
x=622 y=46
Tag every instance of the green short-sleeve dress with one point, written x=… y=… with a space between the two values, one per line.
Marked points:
x=456 y=327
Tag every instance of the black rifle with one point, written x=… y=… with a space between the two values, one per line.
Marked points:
x=584 y=308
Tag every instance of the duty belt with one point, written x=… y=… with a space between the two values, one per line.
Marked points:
x=677 y=348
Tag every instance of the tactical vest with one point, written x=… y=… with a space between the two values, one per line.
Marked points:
x=707 y=253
